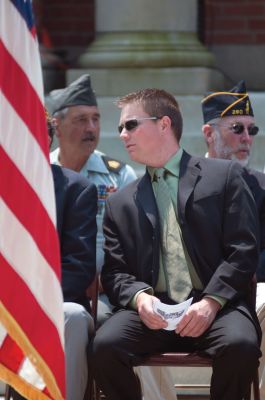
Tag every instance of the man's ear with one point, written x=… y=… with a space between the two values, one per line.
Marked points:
x=207 y=131
x=165 y=123
x=56 y=123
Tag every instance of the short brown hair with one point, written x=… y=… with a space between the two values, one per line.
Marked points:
x=157 y=103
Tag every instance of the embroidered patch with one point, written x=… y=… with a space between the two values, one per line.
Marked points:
x=114 y=164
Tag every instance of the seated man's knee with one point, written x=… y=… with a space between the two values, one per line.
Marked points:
x=244 y=350
x=110 y=342
x=77 y=320
x=101 y=347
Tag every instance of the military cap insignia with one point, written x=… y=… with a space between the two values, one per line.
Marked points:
x=247 y=107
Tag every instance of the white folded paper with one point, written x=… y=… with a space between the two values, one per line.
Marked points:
x=171 y=314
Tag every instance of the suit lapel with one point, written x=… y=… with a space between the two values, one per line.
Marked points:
x=59 y=183
x=145 y=197
x=56 y=179
x=189 y=175
x=250 y=178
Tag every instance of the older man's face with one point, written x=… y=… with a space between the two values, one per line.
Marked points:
x=227 y=143
x=79 y=129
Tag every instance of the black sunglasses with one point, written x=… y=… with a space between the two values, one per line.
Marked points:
x=239 y=128
x=133 y=123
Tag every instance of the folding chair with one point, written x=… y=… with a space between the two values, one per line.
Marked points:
x=194 y=360
x=92 y=294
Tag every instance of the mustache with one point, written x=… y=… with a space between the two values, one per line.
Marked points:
x=244 y=147
x=89 y=137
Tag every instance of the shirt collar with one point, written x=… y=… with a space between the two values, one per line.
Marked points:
x=95 y=163
x=174 y=162
x=54 y=156
x=172 y=165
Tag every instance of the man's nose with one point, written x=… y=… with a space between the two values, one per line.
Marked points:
x=124 y=135
x=245 y=136
x=91 y=124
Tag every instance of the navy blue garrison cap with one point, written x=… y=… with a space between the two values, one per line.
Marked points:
x=224 y=104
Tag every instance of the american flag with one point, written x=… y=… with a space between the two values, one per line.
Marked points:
x=31 y=303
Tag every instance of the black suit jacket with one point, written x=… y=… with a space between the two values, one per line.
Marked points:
x=76 y=206
x=218 y=220
x=256 y=183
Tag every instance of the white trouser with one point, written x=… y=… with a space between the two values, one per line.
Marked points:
x=260 y=308
x=157 y=383
x=78 y=327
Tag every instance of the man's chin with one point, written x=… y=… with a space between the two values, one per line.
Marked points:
x=89 y=150
x=133 y=157
x=242 y=161
x=90 y=145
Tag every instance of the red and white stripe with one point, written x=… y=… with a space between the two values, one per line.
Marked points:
x=31 y=312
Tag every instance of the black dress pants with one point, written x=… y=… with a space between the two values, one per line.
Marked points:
x=231 y=341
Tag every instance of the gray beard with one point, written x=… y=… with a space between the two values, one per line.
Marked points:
x=226 y=152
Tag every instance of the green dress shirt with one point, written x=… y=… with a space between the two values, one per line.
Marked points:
x=172 y=179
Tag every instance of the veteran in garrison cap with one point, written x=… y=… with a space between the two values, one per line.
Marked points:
x=229 y=130
x=77 y=116
x=229 y=125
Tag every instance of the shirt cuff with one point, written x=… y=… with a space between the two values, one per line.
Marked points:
x=221 y=300
x=132 y=303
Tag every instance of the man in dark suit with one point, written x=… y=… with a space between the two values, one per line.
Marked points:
x=217 y=252
x=76 y=207
x=229 y=133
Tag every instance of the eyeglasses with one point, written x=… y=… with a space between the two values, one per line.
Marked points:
x=239 y=128
x=133 y=123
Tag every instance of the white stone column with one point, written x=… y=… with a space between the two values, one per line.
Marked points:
x=148 y=43
x=142 y=43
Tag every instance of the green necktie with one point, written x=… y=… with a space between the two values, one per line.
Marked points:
x=173 y=257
